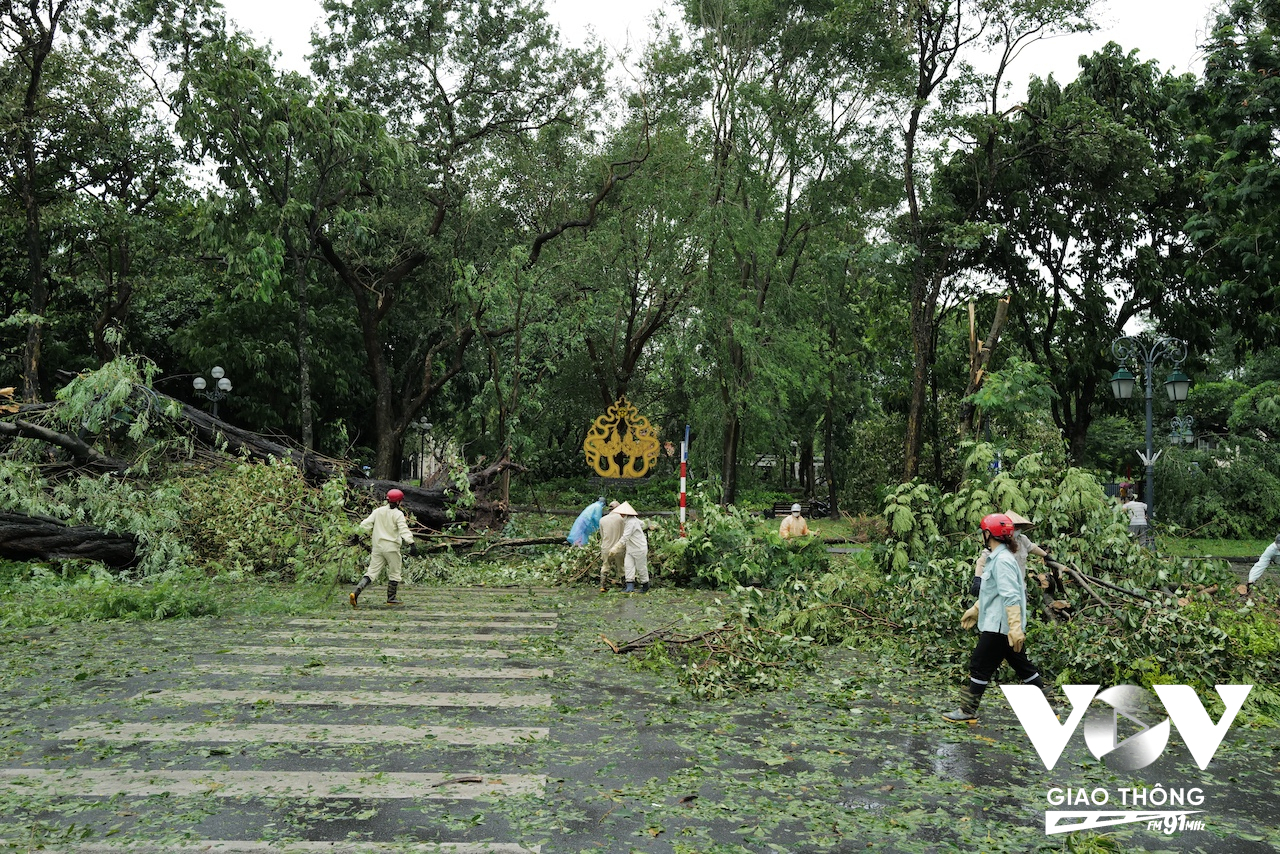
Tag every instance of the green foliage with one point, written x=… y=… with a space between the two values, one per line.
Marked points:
x=103 y=400
x=264 y=521
x=1189 y=633
x=1014 y=391
x=722 y=551
x=740 y=652
x=1256 y=413
x=37 y=595
x=1232 y=492
x=1234 y=224
x=243 y=520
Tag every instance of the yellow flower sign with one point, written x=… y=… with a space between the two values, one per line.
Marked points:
x=621 y=443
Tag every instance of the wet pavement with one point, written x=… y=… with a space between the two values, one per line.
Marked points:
x=497 y=720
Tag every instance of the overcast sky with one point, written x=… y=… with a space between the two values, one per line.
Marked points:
x=1165 y=30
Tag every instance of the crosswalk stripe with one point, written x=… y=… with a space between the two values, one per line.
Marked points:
x=300 y=733
x=395 y=636
x=419 y=624
x=366 y=652
x=417 y=611
x=221 y=846
x=515 y=590
x=386 y=670
x=343 y=698
x=86 y=782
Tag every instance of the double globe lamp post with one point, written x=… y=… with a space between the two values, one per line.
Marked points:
x=220 y=390
x=1131 y=348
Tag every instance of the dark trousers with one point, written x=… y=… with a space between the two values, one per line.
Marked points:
x=992 y=649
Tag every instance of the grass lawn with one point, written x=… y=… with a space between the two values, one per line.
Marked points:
x=1194 y=547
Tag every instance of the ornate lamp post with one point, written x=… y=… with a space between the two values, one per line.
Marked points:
x=1183 y=431
x=1129 y=347
x=222 y=387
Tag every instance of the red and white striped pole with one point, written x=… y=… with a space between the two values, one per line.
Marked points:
x=684 y=474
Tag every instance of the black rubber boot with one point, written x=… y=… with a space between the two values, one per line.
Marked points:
x=967 y=713
x=644 y=588
x=355 y=594
x=1048 y=693
x=631 y=587
x=392 y=587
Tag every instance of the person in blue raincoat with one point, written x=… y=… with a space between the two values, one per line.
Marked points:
x=586 y=523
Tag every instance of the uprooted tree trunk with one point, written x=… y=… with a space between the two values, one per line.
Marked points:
x=435 y=507
x=28 y=538
x=39 y=538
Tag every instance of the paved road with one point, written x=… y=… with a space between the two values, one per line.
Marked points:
x=497 y=721
x=367 y=731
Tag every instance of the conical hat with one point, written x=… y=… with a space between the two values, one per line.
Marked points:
x=1018 y=520
x=625 y=509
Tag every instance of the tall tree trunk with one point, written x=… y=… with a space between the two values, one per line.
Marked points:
x=34 y=53
x=807 y=479
x=304 y=349
x=729 y=456
x=921 y=369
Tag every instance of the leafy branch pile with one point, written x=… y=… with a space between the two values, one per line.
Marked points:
x=722 y=551
x=1188 y=626
x=1143 y=619
x=738 y=653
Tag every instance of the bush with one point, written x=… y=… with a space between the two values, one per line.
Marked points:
x=721 y=551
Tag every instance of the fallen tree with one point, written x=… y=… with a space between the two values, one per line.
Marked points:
x=110 y=423
x=41 y=538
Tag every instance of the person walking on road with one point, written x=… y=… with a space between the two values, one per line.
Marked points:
x=793 y=525
x=1270 y=555
x=390 y=529
x=635 y=545
x=611 y=526
x=998 y=614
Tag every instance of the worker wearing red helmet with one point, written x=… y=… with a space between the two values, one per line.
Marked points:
x=389 y=529
x=998 y=614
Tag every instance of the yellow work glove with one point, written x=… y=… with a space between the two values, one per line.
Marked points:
x=970 y=618
x=1013 y=613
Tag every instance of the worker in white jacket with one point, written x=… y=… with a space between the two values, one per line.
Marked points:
x=1272 y=553
x=611 y=526
x=635 y=545
x=390 y=529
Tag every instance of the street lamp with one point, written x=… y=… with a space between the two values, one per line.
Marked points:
x=424 y=426
x=220 y=390
x=1183 y=430
x=1129 y=347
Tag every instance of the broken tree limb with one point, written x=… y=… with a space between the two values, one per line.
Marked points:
x=41 y=538
x=663 y=633
x=1080 y=579
x=81 y=451
x=1110 y=586
x=558 y=540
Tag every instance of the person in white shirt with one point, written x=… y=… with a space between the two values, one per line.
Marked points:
x=390 y=529
x=611 y=526
x=635 y=545
x=794 y=525
x=1271 y=554
x=1137 y=511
